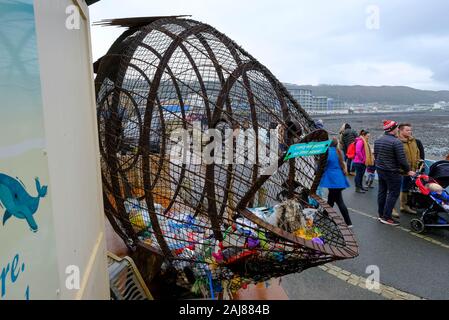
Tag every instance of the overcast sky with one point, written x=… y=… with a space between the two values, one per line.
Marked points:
x=316 y=42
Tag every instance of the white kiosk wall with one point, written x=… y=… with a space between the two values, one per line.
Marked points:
x=70 y=123
x=28 y=255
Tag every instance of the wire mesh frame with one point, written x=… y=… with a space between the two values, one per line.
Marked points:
x=190 y=64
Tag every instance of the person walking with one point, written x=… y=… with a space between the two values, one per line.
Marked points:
x=390 y=159
x=371 y=175
x=281 y=136
x=363 y=158
x=319 y=124
x=334 y=179
x=347 y=136
x=414 y=152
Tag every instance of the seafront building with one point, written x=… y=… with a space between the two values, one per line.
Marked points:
x=317 y=104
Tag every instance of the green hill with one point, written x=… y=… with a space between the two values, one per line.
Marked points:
x=384 y=94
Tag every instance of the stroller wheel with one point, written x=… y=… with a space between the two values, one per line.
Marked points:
x=417 y=225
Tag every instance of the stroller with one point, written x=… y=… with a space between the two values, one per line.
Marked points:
x=430 y=196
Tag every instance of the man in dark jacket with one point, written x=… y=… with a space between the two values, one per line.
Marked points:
x=390 y=160
x=347 y=136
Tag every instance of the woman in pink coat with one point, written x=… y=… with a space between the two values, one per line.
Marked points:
x=361 y=148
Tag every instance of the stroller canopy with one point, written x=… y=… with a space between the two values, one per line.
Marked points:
x=440 y=172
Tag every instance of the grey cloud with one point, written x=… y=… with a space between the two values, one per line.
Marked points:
x=305 y=40
x=441 y=72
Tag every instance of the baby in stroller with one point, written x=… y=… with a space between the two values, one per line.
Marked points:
x=439 y=194
x=433 y=197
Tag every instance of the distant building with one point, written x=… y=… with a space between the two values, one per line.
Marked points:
x=444 y=104
x=304 y=97
x=423 y=106
x=319 y=104
x=312 y=104
x=335 y=104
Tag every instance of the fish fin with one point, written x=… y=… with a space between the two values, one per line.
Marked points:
x=6 y=216
x=31 y=222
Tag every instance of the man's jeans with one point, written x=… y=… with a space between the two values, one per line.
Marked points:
x=389 y=190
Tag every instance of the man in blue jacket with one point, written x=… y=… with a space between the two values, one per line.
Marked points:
x=390 y=159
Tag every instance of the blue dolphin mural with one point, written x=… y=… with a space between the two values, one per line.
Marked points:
x=17 y=202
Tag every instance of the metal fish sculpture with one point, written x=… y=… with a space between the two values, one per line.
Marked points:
x=167 y=90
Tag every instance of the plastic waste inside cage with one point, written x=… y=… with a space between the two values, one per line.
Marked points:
x=219 y=225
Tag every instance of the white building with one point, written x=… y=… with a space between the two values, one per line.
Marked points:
x=304 y=97
x=319 y=104
x=335 y=105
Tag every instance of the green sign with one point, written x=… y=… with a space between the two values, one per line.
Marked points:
x=307 y=149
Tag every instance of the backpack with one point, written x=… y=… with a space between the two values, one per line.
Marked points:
x=350 y=153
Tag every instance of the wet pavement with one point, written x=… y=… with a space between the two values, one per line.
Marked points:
x=408 y=263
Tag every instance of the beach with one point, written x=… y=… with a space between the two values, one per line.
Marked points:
x=432 y=128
